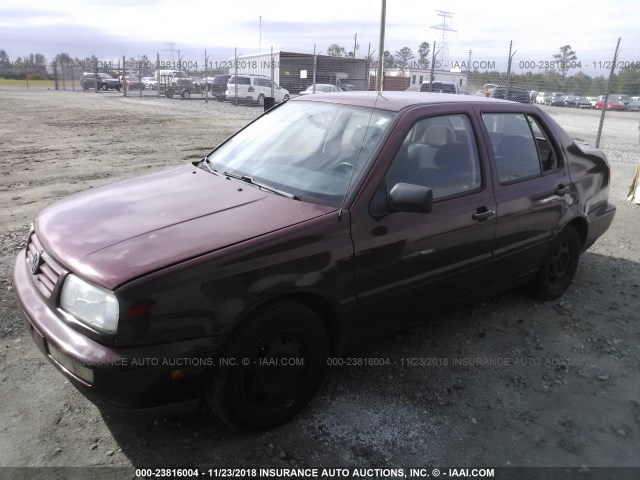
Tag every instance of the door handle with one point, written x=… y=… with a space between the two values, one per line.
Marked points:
x=483 y=214
x=562 y=190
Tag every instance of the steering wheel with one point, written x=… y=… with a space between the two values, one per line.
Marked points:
x=342 y=169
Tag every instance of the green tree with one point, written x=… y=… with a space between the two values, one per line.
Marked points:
x=403 y=57
x=389 y=61
x=565 y=59
x=336 y=50
x=5 y=63
x=63 y=59
x=423 y=55
x=627 y=81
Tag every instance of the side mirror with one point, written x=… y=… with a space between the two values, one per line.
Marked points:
x=405 y=197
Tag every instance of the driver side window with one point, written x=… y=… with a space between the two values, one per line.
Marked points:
x=439 y=153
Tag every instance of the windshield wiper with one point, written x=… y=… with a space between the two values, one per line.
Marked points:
x=250 y=181
x=208 y=164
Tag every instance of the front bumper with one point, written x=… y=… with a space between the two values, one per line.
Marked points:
x=166 y=377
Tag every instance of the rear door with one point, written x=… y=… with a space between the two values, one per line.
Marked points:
x=531 y=184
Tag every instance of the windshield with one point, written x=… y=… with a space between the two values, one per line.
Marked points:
x=311 y=150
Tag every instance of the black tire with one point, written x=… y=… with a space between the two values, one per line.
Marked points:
x=186 y=94
x=261 y=100
x=285 y=99
x=104 y=87
x=559 y=265
x=255 y=396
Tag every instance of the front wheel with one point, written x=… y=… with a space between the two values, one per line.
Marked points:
x=105 y=87
x=559 y=265
x=272 y=366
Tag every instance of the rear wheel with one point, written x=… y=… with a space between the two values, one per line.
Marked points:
x=104 y=87
x=186 y=94
x=279 y=356
x=261 y=100
x=286 y=98
x=559 y=266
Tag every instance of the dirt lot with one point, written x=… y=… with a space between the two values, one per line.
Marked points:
x=569 y=396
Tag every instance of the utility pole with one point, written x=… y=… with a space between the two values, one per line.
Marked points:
x=260 y=40
x=379 y=77
x=355 y=45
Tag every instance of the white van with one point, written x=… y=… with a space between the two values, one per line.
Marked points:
x=175 y=79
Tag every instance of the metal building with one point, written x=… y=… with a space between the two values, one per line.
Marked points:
x=294 y=71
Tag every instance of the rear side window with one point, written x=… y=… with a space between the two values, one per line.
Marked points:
x=520 y=147
x=240 y=80
x=220 y=80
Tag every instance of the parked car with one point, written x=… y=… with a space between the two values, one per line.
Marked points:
x=105 y=81
x=132 y=82
x=321 y=88
x=633 y=106
x=218 y=86
x=440 y=87
x=329 y=219
x=614 y=102
x=487 y=88
x=515 y=94
x=593 y=101
x=555 y=99
x=541 y=98
x=254 y=89
x=150 y=82
x=198 y=83
x=576 y=101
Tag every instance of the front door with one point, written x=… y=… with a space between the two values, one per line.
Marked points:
x=410 y=263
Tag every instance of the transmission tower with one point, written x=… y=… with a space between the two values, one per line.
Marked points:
x=444 y=45
x=170 y=50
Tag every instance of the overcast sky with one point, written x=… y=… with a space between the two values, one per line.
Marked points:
x=111 y=28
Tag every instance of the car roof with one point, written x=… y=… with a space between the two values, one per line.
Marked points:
x=396 y=101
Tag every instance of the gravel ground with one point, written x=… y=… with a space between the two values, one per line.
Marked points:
x=509 y=381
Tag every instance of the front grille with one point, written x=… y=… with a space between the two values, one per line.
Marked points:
x=48 y=271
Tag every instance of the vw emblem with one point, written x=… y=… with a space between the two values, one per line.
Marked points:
x=35 y=263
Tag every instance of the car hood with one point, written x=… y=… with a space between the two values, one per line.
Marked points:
x=122 y=231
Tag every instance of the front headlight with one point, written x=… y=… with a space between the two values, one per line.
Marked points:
x=95 y=306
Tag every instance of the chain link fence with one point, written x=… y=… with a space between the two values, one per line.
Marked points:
x=602 y=80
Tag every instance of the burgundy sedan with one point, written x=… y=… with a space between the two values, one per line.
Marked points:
x=329 y=219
